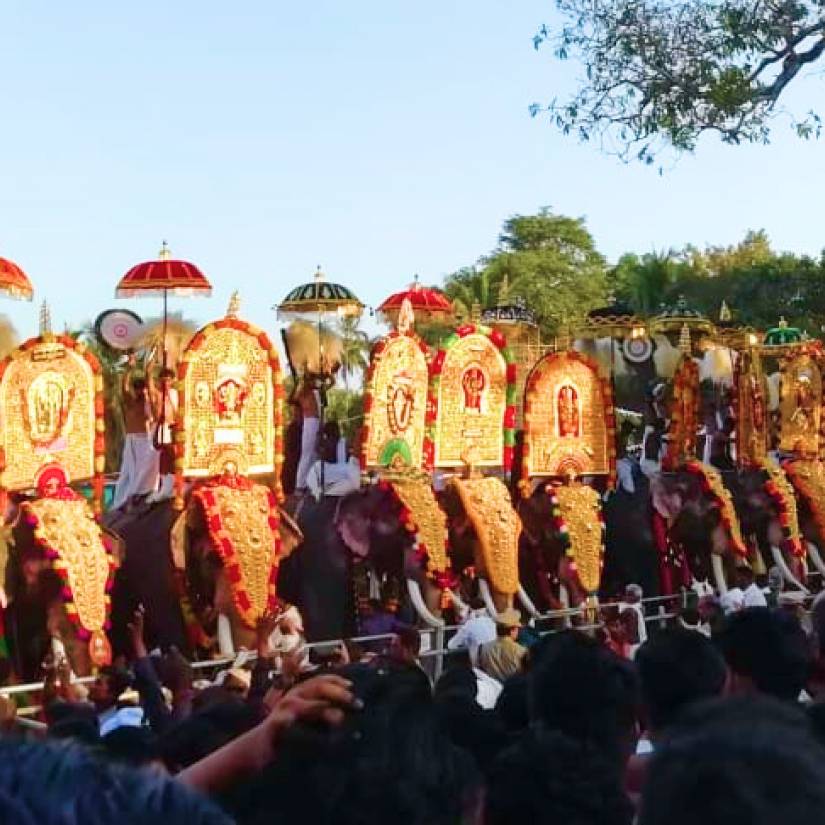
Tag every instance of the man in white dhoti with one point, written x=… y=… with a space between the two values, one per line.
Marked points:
x=139 y=465
x=165 y=406
x=339 y=477
x=309 y=400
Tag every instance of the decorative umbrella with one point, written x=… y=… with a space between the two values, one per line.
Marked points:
x=14 y=283
x=164 y=276
x=784 y=336
x=316 y=300
x=427 y=303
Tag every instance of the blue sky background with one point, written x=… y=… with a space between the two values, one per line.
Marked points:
x=378 y=139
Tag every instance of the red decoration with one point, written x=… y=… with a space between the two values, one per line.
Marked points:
x=163 y=276
x=14 y=282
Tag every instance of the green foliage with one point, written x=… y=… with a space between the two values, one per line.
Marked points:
x=663 y=73
x=355 y=353
x=347 y=408
x=548 y=260
x=757 y=283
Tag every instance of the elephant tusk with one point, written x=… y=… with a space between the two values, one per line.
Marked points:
x=528 y=603
x=459 y=603
x=414 y=589
x=815 y=557
x=719 y=573
x=789 y=577
x=487 y=596
x=225 y=643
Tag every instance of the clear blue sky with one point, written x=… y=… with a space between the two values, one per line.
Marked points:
x=378 y=139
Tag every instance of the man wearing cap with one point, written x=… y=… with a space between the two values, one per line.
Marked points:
x=503 y=657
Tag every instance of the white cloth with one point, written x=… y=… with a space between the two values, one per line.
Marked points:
x=732 y=601
x=488 y=689
x=754 y=597
x=138 y=469
x=164 y=431
x=124 y=718
x=309 y=447
x=478 y=630
x=639 y=611
x=339 y=479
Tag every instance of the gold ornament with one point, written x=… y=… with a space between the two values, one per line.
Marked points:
x=581 y=511
x=497 y=526
x=800 y=406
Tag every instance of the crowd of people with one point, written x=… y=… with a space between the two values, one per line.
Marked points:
x=712 y=720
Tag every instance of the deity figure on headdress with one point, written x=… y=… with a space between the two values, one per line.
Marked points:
x=473 y=383
x=568 y=412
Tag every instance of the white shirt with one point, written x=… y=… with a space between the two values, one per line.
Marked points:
x=754 y=597
x=475 y=632
x=488 y=689
x=732 y=601
x=339 y=479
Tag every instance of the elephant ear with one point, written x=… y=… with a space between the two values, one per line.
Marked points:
x=353 y=526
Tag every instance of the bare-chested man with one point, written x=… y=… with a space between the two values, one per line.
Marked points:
x=164 y=400
x=139 y=465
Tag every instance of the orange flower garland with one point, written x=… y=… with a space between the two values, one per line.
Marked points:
x=782 y=494
x=712 y=485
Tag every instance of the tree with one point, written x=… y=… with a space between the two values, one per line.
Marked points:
x=664 y=72
x=355 y=350
x=645 y=282
x=550 y=261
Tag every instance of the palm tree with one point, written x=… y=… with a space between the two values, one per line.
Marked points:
x=356 y=345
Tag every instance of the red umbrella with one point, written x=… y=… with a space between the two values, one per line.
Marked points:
x=13 y=281
x=428 y=304
x=164 y=276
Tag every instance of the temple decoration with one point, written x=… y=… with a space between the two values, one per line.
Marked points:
x=242 y=520
x=73 y=542
x=614 y=320
x=673 y=319
x=422 y=516
x=782 y=494
x=486 y=501
x=713 y=486
x=684 y=415
x=395 y=402
x=427 y=303
x=51 y=403
x=751 y=402
x=569 y=422
x=800 y=402
x=783 y=335
x=471 y=401
x=733 y=335
x=231 y=395
x=580 y=523
x=808 y=479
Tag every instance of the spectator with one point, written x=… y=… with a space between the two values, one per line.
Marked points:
x=547 y=778
x=579 y=688
x=405 y=647
x=632 y=601
x=737 y=762
x=48 y=785
x=477 y=629
x=677 y=668
x=752 y=595
x=767 y=652
x=503 y=657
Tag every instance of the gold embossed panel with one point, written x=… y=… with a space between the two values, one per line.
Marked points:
x=471 y=402
x=69 y=529
x=581 y=511
x=497 y=526
x=228 y=399
x=800 y=406
x=396 y=406
x=565 y=419
x=751 y=410
x=47 y=406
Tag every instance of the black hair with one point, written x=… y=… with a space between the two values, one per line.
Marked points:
x=512 y=706
x=547 y=777
x=137 y=747
x=770 y=648
x=166 y=373
x=388 y=763
x=583 y=690
x=138 y=384
x=50 y=785
x=73 y=720
x=736 y=761
x=677 y=667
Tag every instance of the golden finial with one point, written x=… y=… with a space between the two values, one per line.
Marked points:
x=406 y=317
x=684 y=340
x=724 y=312
x=165 y=253
x=234 y=305
x=475 y=312
x=319 y=276
x=45 y=320
x=783 y=324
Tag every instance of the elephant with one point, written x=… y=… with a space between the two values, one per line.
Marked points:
x=36 y=615
x=171 y=569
